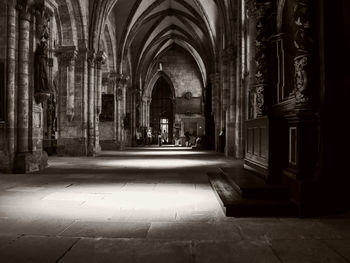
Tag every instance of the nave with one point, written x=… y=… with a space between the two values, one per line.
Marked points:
x=150 y=204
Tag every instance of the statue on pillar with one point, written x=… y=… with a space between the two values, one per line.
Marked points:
x=42 y=86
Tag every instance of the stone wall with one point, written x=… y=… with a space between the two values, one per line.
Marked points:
x=183 y=72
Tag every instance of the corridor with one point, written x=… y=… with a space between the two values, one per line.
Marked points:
x=148 y=205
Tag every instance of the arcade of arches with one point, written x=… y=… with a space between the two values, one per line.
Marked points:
x=258 y=80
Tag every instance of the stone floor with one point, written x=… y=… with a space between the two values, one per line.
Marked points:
x=148 y=205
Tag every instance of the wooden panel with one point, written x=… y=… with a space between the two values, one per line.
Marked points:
x=264 y=142
x=250 y=140
x=257 y=144
x=293 y=145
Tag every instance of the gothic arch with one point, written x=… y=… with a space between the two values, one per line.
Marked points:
x=149 y=88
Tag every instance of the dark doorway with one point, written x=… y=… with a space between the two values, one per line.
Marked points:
x=162 y=109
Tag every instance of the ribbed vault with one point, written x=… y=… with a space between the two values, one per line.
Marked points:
x=147 y=29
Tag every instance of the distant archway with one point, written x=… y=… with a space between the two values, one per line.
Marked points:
x=162 y=108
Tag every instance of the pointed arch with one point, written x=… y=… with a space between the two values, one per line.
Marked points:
x=153 y=81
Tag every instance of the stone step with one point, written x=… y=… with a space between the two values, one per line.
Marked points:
x=235 y=206
x=251 y=186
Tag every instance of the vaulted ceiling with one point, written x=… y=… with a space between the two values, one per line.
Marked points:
x=148 y=28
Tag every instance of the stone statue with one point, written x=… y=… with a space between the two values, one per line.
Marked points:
x=41 y=81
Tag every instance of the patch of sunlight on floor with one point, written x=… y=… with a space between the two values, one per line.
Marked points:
x=153 y=201
x=149 y=163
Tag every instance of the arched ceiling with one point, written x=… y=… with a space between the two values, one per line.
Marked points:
x=147 y=28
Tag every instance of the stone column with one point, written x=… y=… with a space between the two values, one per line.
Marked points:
x=216 y=107
x=11 y=78
x=91 y=101
x=118 y=115
x=100 y=61
x=121 y=97
x=148 y=112
x=23 y=78
x=230 y=96
x=82 y=83
x=22 y=161
x=144 y=112
x=67 y=56
x=113 y=80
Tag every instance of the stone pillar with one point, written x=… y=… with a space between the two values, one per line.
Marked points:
x=67 y=56
x=100 y=61
x=82 y=84
x=91 y=103
x=229 y=60
x=121 y=108
x=22 y=161
x=241 y=112
x=144 y=112
x=216 y=107
x=118 y=115
x=148 y=112
x=113 y=80
x=23 y=78
x=11 y=78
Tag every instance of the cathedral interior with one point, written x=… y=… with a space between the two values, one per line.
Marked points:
x=174 y=131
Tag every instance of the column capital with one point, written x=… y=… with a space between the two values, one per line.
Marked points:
x=43 y=16
x=122 y=80
x=101 y=58
x=25 y=9
x=91 y=57
x=67 y=54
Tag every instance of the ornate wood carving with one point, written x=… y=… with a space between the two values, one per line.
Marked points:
x=261 y=11
x=304 y=43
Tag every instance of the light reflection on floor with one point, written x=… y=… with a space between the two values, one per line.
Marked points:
x=148 y=163
x=153 y=202
x=113 y=187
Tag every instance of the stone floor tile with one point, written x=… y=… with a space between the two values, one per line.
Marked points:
x=197 y=216
x=340 y=246
x=305 y=251
x=285 y=230
x=234 y=251
x=193 y=231
x=108 y=229
x=129 y=251
x=36 y=249
x=30 y=226
x=7 y=239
